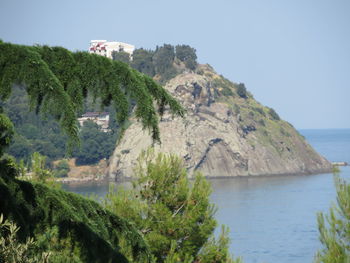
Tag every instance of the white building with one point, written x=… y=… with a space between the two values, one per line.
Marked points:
x=100 y=118
x=105 y=48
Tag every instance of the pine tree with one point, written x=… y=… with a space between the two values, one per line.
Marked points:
x=334 y=228
x=175 y=216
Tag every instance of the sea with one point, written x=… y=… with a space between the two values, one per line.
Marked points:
x=273 y=219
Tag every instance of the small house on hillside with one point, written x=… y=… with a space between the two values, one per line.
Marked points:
x=100 y=118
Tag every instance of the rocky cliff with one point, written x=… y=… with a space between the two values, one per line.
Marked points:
x=225 y=133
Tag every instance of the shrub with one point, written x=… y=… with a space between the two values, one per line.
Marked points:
x=187 y=54
x=242 y=91
x=12 y=250
x=62 y=169
x=260 y=110
x=284 y=132
x=225 y=86
x=121 y=56
x=274 y=114
x=261 y=122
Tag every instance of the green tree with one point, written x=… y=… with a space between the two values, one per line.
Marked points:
x=62 y=169
x=14 y=251
x=57 y=81
x=188 y=55
x=121 y=56
x=242 y=91
x=95 y=144
x=22 y=168
x=163 y=60
x=33 y=132
x=334 y=228
x=274 y=114
x=39 y=172
x=142 y=60
x=176 y=217
x=21 y=148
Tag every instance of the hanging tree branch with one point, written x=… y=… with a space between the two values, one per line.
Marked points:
x=57 y=81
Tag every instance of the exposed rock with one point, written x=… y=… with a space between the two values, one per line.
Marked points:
x=222 y=135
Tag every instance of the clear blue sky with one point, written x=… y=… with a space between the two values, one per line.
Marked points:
x=294 y=56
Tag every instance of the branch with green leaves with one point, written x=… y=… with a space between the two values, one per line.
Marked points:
x=57 y=81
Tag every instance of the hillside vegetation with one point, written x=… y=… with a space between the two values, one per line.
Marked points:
x=89 y=90
x=90 y=230
x=57 y=81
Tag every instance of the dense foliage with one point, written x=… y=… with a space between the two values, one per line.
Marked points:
x=334 y=228
x=47 y=78
x=61 y=169
x=121 y=56
x=187 y=55
x=163 y=63
x=14 y=251
x=57 y=81
x=176 y=217
x=95 y=144
x=142 y=60
x=274 y=115
x=242 y=91
x=35 y=133
x=92 y=231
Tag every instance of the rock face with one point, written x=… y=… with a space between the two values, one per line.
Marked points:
x=225 y=133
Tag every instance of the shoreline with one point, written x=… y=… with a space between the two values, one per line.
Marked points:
x=101 y=179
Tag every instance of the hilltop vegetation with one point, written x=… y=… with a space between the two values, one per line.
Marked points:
x=163 y=63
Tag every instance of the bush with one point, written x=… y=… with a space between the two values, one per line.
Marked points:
x=187 y=54
x=121 y=56
x=14 y=251
x=274 y=114
x=142 y=60
x=242 y=91
x=260 y=110
x=95 y=144
x=261 y=122
x=224 y=85
x=62 y=169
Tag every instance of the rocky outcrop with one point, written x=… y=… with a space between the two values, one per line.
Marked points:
x=224 y=134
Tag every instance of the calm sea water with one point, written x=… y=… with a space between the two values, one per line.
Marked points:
x=273 y=219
